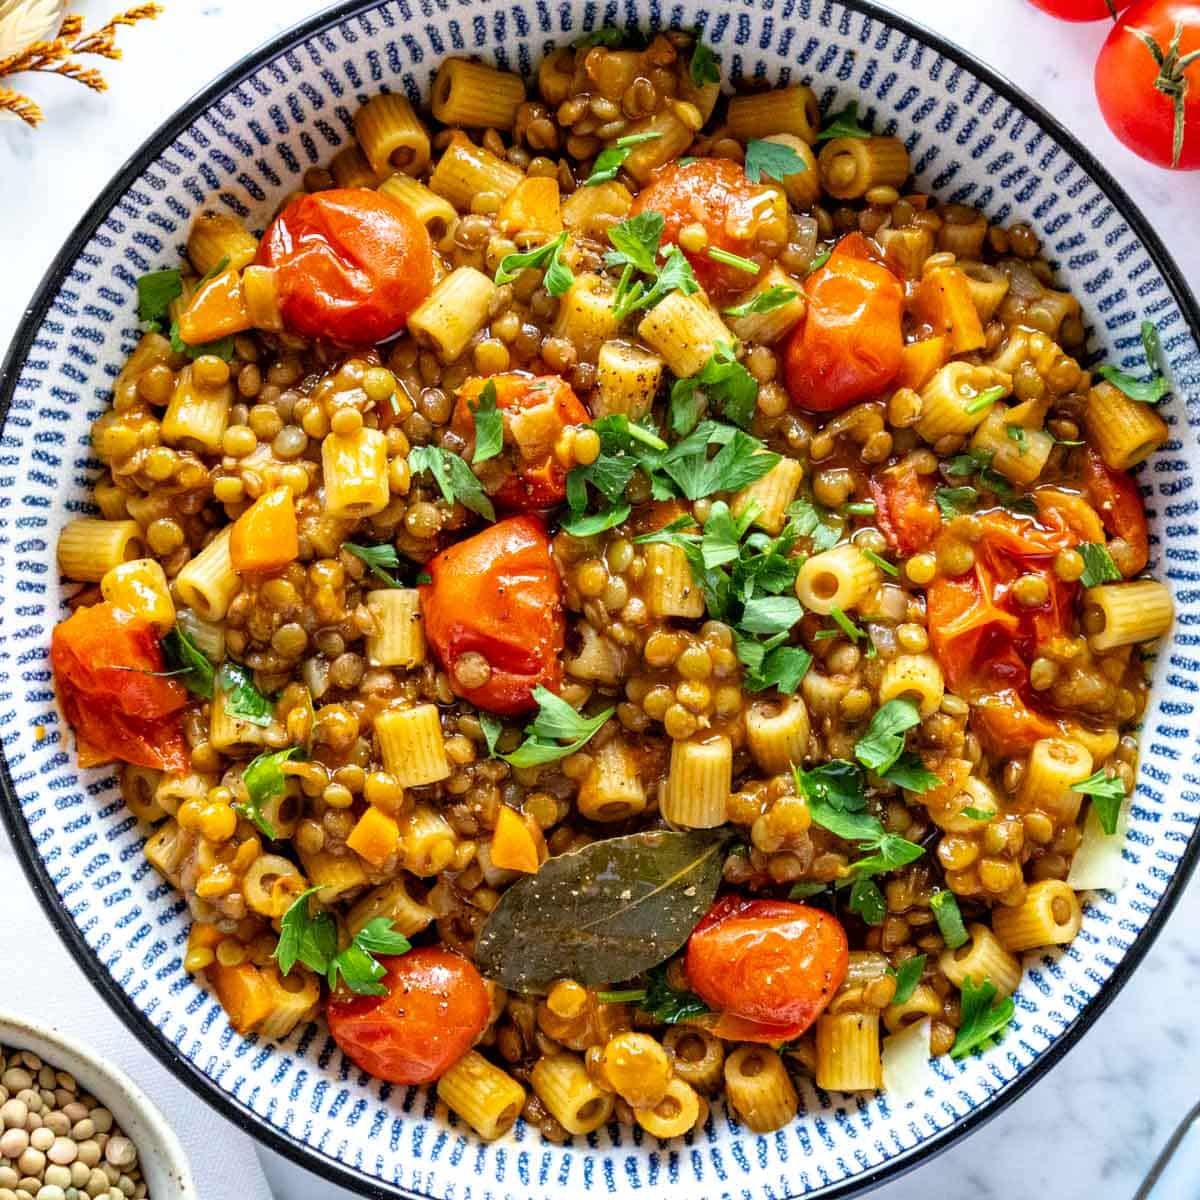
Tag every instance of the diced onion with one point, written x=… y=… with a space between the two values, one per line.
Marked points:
x=906 y=1069
x=1098 y=865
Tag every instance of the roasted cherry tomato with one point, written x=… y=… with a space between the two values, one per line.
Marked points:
x=1115 y=496
x=497 y=597
x=351 y=265
x=905 y=510
x=107 y=667
x=985 y=640
x=771 y=966
x=536 y=411
x=1148 y=81
x=849 y=346
x=736 y=216
x=436 y=1006
x=1081 y=10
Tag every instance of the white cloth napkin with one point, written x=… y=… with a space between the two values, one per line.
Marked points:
x=51 y=988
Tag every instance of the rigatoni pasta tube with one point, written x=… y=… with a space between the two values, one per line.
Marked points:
x=791 y=110
x=627 y=380
x=454 y=312
x=166 y=848
x=948 y=400
x=1123 y=614
x=354 y=467
x=1124 y=431
x=685 y=330
x=848 y=1052
x=698 y=1056
x=674 y=136
x=566 y=1089
x=585 y=315
x=227 y=731
x=215 y=238
x=922 y=1002
x=392 y=136
x=777 y=733
x=671 y=590
x=293 y=998
x=394 y=901
x=475 y=96
x=915 y=677
x=592 y=211
x=989 y=285
x=487 y=1098
x=695 y=793
x=208 y=582
x=1055 y=766
x=411 y=744
x=466 y=171
x=197 y=414
x=981 y=957
x=839 y=578
x=1017 y=452
x=435 y=212
x=88 y=548
x=612 y=790
x=760 y=1089
x=399 y=637
x=334 y=874
x=1048 y=916
x=767 y=327
x=770 y=495
x=270 y=884
x=680 y=1110
x=260 y=290
x=139 y=587
x=351 y=168
x=427 y=841
x=852 y=166
x=151 y=350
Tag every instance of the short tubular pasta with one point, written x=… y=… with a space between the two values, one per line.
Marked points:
x=217 y=238
x=839 y=578
x=1017 y=452
x=197 y=416
x=392 y=135
x=791 y=110
x=394 y=902
x=989 y=286
x=848 y=1052
x=207 y=583
x=566 y=1089
x=88 y=548
x=778 y=733
x=760 y=1088
x=770 y=327
x=672 y=137
x=435 y=212
x=427 y=841
x=139 y=790
x=351 y=168
x=681 y=1109
x=1123 y=614
x=466 y=171
x=335 y=875
x=399 y=639
x=613 y=789
x=627 y=380
x=454 y=312
x=851 y=167
x=139 y=587
x=696 y=790
x=294 y=998
x=227 y=731
x=411 y=744
x=923 y=1002
x=672 y=592
x=947 y=400
x=585 y=315
x=1125 y=431
x=915 y=677
x=685 y=331
x=1048 y=916
x=476 y=96
x=770 y=496
x=166 y=849
x=271 y=883
x=981 y=957
x=354 y=466
x=697 y=1056
x=591 y=211
x=487 y=1098
x=1055 y=766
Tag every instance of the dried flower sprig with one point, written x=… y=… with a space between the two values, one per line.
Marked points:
x=55 y=56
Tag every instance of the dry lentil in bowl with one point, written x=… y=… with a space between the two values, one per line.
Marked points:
x=613 y=599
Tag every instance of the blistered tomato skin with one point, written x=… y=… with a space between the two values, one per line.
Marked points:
x=850 y=345
x=351 y=265
x=735 y=214
x=770 y=964
x=435 y=1008
x=498 y=595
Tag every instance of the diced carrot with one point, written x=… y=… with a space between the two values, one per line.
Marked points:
x=533 y=206
x=919 y=360
x=943 y=300
x=265 y=537
x=217 y=309
x=244 y=994
x=206 y=936
x=375 y=837
x=513 y=844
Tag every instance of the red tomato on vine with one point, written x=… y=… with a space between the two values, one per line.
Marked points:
x=1081 y=10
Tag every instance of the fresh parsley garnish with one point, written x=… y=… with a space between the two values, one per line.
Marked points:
x=819 y=260
x=557 y=277
x=980 y=1019
x=724 y=383
x=910 y=773
x=1098 y=565
x=844 y=124
x=1148 y=391
x=582 y=527
x=985 y=399
x=978 y=462
x=908 y=975
x=883 y=742
x=455 y=479
x=242 y=699
x=1107 y=793
x=492 y=729
x=665 y=1004
x=610 y=160
x=155 y=291
x=955 y=501
x=556 y=722
x=867 y=900
x=978 y=814
x=772 y=159
x=381 y=560
x=188 y=662
x=221 y=347
x=264 y=780
x=1016 y=433
x=703 y=66
x=635 y=243
x=357 y=964
x=882 y=563
x=768 y=300
x=949 y=919
x=822 y=528
x=489 y=425
x=729 y=259
x=606 y=35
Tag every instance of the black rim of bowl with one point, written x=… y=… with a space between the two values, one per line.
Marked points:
x=144 y=1028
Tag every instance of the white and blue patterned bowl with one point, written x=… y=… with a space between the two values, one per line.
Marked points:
x=242 y=144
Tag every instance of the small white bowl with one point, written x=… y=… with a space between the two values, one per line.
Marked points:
x=161 y=1158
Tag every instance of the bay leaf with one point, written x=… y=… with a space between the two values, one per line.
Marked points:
x=603 y=913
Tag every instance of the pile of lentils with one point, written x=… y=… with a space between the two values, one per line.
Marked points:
x=56 y=1141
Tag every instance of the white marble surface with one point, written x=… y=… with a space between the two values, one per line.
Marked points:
x=1092 y=1127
